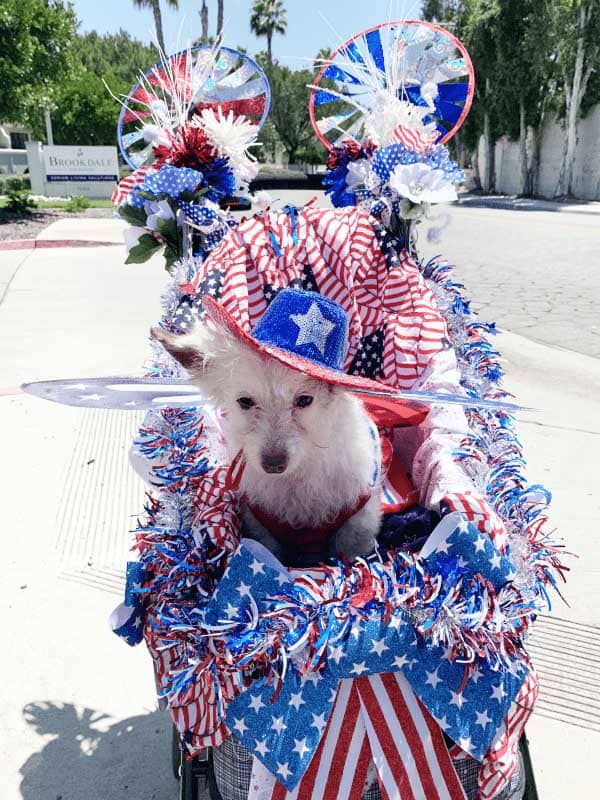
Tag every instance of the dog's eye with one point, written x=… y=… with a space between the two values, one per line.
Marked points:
x=245 y=403
x=303 y=401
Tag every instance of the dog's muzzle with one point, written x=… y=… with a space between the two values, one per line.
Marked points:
x=274 y=463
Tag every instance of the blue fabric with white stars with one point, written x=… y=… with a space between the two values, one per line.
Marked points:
x=133 y=628
x=171 y=181
x=280 y=729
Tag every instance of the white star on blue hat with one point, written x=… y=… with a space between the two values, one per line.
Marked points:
x=313 y=327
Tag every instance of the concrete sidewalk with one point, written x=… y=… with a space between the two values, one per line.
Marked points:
x=515 y=203
x=78 y=705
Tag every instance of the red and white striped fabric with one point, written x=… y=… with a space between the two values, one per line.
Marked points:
x=472 y=506
x=376 y=718
x=340 y=252
x=124 y=187
x=502 y=759
x=414 y=139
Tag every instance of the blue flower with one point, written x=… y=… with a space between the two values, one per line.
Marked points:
x=219 y=178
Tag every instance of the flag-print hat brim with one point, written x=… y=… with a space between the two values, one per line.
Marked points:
x=405 y=411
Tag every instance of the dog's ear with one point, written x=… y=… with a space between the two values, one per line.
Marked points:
x=182 y=348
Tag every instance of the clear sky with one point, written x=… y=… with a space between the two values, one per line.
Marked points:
x=307 y=31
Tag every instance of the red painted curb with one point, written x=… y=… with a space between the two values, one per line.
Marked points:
x=34 y=244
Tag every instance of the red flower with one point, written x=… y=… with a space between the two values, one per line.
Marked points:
x=190 y=147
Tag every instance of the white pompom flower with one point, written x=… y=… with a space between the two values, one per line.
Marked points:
x=232 y=136
x=419 y=183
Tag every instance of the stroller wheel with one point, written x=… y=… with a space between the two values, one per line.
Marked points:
x=175 y=753
x=531 y=792
x=193 y=774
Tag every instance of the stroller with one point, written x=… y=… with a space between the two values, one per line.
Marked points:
x=410 y=326
x=266 y=253
x=224 y=774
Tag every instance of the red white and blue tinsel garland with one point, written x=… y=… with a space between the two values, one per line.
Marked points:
x=192 y=528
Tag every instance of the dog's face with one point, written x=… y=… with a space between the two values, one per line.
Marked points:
x=280 y=418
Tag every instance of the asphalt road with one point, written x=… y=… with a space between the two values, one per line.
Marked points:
x=535 y=273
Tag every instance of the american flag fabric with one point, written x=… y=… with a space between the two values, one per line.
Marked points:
x=469 y=707
x=129 y=182
x=414 y=139
x=377 y=720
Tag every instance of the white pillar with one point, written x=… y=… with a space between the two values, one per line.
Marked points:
x=48 y=120
x=35 y=161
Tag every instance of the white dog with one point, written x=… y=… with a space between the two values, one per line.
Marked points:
x=309 y=447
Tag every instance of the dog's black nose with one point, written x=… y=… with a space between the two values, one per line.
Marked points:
x=274 y=462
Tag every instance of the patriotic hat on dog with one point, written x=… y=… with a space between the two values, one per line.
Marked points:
x=308 y=332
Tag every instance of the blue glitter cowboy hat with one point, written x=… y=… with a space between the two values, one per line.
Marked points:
x=308 y=332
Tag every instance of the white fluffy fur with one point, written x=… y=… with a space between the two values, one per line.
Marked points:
x=328 y=445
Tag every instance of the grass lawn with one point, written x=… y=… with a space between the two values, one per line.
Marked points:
x=63 y=205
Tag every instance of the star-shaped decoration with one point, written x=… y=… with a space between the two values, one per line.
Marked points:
x=400 y=661
x=137 y=622
x=278 y=724
x=479 y=544
x=379 y=646
x=397 y=621
x=358 y=669
x=483 y=719
x=457 y=700
x=336 y=653
x=283 y=770
x=443 y=722
x=300 y=747
x=465 y=744
x=475 y=675
x=231 y=610
x=257 y=566
x=356 y=630
x=256 y=703
x=495 y=561
x=443 y=546
x=313 y=328
x=240 y=726
x=296 y=700
x=281 y=579
x=310 y=677
x=243 y=590
x=498 y=693
x=319 y=722
x=433 y=678
x=261 y=747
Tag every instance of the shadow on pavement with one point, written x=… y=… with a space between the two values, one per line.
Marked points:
x=91 y=759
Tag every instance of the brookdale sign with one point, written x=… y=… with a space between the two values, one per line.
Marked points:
x=72 y=170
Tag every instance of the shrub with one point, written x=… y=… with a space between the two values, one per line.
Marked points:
x=77 y=204
x=19 y=202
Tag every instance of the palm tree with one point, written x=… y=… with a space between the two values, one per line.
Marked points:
x=268 y=17
x=220 y=12
x=155 y=6
x=204 y=22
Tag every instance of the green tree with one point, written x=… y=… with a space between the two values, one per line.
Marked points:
x=524 y=77
x=155 y=6
x=289 y=111
x=35 y=54
x=268 y=17
x=576 y=28
x=84 y=112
